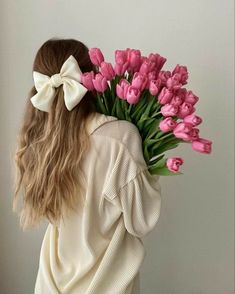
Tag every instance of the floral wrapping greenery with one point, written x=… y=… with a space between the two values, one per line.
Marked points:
x=136 y=89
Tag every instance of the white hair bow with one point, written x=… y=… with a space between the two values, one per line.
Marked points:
x=69 y=76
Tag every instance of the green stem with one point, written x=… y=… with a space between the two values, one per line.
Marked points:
x=105 y=103
x=101 y=104
x=163 y=137
x=129 y=108
x=155 y=114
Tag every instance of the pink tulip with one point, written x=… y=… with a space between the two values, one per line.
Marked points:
x=152 y=65
x=100 y=83
x=120 y=68
x=132 y=95
x=174 y=163
x=194 y=134
x=165 y=96
x=183 y=127
x=173 y=83
x=167 y=124
x=96 y=56
x=158 y=61
x=134 y=59
x=183 y=72
x=121 y=56
x=202 y=145
x=152 y=76
x=181 y=92
x=86 y=80
x=121 y=88
x=164 y=76
x=185 y=109
x=154 y=86
x=183 y=131
x=139 y=81
x=191 y=98
x=107 y=70
x=145 y=67
x=169 y=110
x=176 y=100
x=193 y=119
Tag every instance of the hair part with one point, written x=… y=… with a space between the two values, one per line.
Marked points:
x=51 y=145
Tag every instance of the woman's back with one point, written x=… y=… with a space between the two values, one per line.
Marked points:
x=99 y=250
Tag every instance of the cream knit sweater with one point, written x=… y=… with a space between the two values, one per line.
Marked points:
x=100 y=251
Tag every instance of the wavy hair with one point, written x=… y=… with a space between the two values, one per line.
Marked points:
x=51 y=145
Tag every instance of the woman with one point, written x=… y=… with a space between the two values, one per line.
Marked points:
x=85 y=173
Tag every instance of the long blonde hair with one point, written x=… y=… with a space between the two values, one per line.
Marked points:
x=51 y=145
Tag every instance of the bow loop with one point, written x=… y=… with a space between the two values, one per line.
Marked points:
x=69 y=76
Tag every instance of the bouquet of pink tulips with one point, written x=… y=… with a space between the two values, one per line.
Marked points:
x=138 y=90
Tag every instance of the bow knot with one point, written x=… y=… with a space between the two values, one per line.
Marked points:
x=56 y=80
x=69 y=76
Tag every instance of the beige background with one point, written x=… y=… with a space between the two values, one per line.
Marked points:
x=191 y=249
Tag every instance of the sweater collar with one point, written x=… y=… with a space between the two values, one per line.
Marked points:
x=98 y=120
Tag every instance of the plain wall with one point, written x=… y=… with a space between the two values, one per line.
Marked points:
x=190 y=251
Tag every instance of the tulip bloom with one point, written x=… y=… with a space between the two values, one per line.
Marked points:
x=132 y=95
x=100 y=83
x=121 y=88
x=191 y=98
x=165 y=96
x=174 y=163
x=107 y=70
x=176 y=100
x=183 y=131
x=202 y=145
x=120 y=56
x=173 y=83
x=185 y=109
x=145 y=67
x=193 y=119
x=134 y=59
x=120 y=68
x=194 y=134
x=183 y=72
x=164 y=75
x=167 y=124
x=139 y=81
x=86 y=80
x=154 y=86
x=181 y=92
x=169 y=110
x=96 y=56
x=158 y=61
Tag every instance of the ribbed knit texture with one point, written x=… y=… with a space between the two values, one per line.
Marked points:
x=100 y=251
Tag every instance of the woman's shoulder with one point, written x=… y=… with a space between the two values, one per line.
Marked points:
x=121 y=134
x=122 y=130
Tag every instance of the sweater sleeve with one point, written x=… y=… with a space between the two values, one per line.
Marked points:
x=134 y=190
x=140 y=200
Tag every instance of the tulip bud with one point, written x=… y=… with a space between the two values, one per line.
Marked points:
x=107 y=70
x=183 y=72
x=167 y=124
x=165 y=96
x=86 y=80
x=174 y=163
x=202 y=145
x=169 y=110
x=132 y=95
x=100 y=83
x=154 y=86
x=96 y=56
